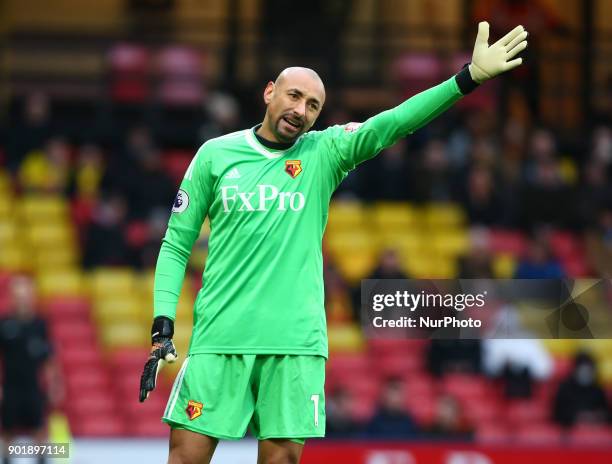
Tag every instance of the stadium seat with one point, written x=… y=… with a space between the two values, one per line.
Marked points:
x=77 y=357
x=590 y=435
x=149 y=427
x=73 y=331
x=67 y=308
x=346 y=216
x=397 y=216
x=492 y=433
x=113 y=309
x=38 y=209
x=113 y=281
x=345 y=338
x=398 y=365
x=119 y=336
x=98 y=426
x=450 y=242
x=538 y=434
x=524 y=412
x=509 y=242
x=129 y=73
x=88 y=382
x=381 y=347
x=61 y=283
x=504 y=265
x=422 y=408
x=465 y=386
x=181 y=76
x=440 y=216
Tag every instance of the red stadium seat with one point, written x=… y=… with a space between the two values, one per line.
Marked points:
x=422 y=408
x=564 y=244
x=129 y=73
x=481 y=411
x=506 y=241
x=181 y=77
x=78 y=332
x=176 y=163
x=382 y=347
x=398 y=365
x=591 y=435
x=99 y=426
x=492 y=432
x=63 y=309
x=148 y=427
x=91 y=403
x=538 y=434
x=76 y=357
x=527 y=412
x=465 y=386
x=87 y=378
x=343 y=364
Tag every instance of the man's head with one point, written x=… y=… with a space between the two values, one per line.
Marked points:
x=23 y=296
x=294 y=102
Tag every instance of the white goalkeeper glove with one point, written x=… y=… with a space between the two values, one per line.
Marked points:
x=490 y=60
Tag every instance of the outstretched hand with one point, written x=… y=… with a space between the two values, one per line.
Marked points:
x=490 y=60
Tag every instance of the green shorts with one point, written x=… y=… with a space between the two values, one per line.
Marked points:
x=276 y=396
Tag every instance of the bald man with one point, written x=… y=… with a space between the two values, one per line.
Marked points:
x=259 y=344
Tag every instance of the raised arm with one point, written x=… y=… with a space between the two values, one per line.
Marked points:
x=355 y=143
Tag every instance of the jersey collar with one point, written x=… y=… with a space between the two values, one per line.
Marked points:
x=255 y=145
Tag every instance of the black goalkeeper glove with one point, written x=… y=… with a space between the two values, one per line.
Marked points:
x=162 y=350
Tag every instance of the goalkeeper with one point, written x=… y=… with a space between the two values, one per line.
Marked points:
x=259 y=344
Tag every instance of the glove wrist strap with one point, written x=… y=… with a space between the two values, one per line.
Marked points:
x=163 y=327
x=464 y=80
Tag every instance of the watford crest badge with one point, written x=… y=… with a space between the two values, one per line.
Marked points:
x=194 y=409
x=293 y=167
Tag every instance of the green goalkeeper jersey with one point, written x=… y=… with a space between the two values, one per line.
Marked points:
x=262 y=287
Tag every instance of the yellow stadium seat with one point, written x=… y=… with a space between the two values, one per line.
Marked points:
x=453 y=242
x=111 y=309
x=356 y=266
x=56 y=258
x=345 y=215
x=6 y=204
x=125 y=335
x=47 y=235
x=440 y=215
x=605 y=372
x=355 y=241
x=8 y=231
x=346 y=338
x=504 y=266
x=14 y=258
x=113 y=281
x=402 y=241
x=61 y=283
x=5 y=181
x=561 y=347
x=401 y=216
x=600 y=348
x=38 y=208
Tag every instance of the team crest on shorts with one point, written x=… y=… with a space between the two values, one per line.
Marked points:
x=194 y=409
x=293 y=167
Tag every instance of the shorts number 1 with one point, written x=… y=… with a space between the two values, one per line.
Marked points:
x=315 y=400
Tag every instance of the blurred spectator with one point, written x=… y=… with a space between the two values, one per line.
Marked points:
x=224 y=116
x=105 y=242
x=482 y=198
x=478 y=262
x=31 y=131
x=449 y=422
x=594 y=193
x=386 y=175
x=454 y=355
x=26 y=353
x=388 y=267
x=433 y=177
x=391 y=420
x=88 y=172
x=598 y=241
x=341 y=422
x=47 y=171
x=580 y=398
x=338 y=304
x=514 y=355
x=544 y=195
x=539 y=262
